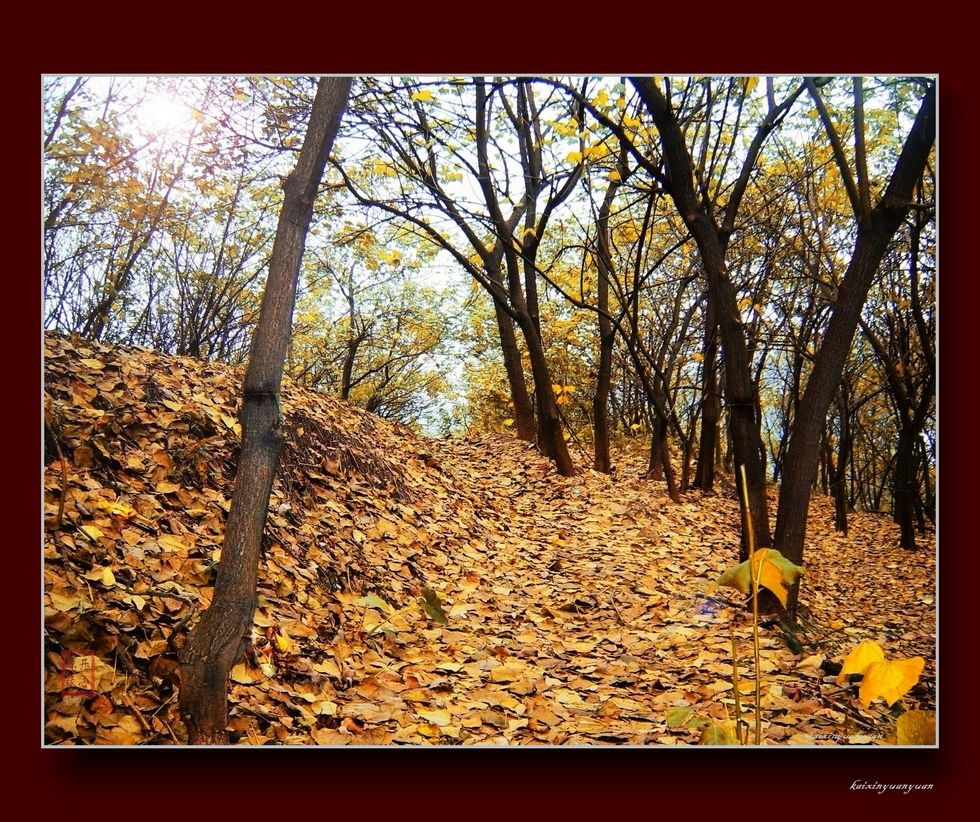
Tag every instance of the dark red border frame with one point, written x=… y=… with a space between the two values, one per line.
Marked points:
x=439 y=37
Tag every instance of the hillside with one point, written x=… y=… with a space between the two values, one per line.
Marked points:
x=575 y=608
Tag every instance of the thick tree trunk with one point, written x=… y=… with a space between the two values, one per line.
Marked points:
x=875 y=231
x=223 y=632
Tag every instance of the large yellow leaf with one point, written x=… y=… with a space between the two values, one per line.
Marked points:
x=863 y=654
x=772 y=569
x=890 y=680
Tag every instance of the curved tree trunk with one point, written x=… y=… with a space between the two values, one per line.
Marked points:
x=219 y=638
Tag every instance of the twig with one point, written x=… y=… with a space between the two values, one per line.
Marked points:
x=136 y=711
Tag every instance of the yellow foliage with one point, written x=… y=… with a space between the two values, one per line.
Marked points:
x=890 y=679
x=769 y=567
x=601 y=99
x=860 y=658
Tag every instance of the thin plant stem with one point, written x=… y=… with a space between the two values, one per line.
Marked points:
x=755 y=574
x=738 y=699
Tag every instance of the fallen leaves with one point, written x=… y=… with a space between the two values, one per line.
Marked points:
x=474 y=598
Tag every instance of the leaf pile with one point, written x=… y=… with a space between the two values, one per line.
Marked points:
x=417 y=591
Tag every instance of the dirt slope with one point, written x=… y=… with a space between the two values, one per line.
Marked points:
x=576 y=607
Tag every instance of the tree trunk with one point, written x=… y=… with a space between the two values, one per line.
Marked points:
x=875 y=231
x=904 y=484
x=223 y=632
x=600 y=401
x=708 y=443
x=655 y=465
x=837 y=483
x=549 y=420
x=607 y=335
x=687 y=449
x=519 y=397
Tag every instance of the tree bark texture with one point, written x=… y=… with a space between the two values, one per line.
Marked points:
x=704 y=478
x=217 y=641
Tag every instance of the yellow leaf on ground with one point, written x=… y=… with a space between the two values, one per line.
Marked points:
x=890 y=680
x=719 y=733
x=439 y=717
x=91 y=532
x=860 y=658
x=242 y=674
x=509 y=672
x=169 y=542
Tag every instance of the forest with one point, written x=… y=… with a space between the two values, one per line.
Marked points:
x=489 y=410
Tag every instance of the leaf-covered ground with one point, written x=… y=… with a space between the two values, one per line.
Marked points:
x=577 y=611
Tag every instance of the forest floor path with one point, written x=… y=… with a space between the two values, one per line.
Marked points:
x=426 y=591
